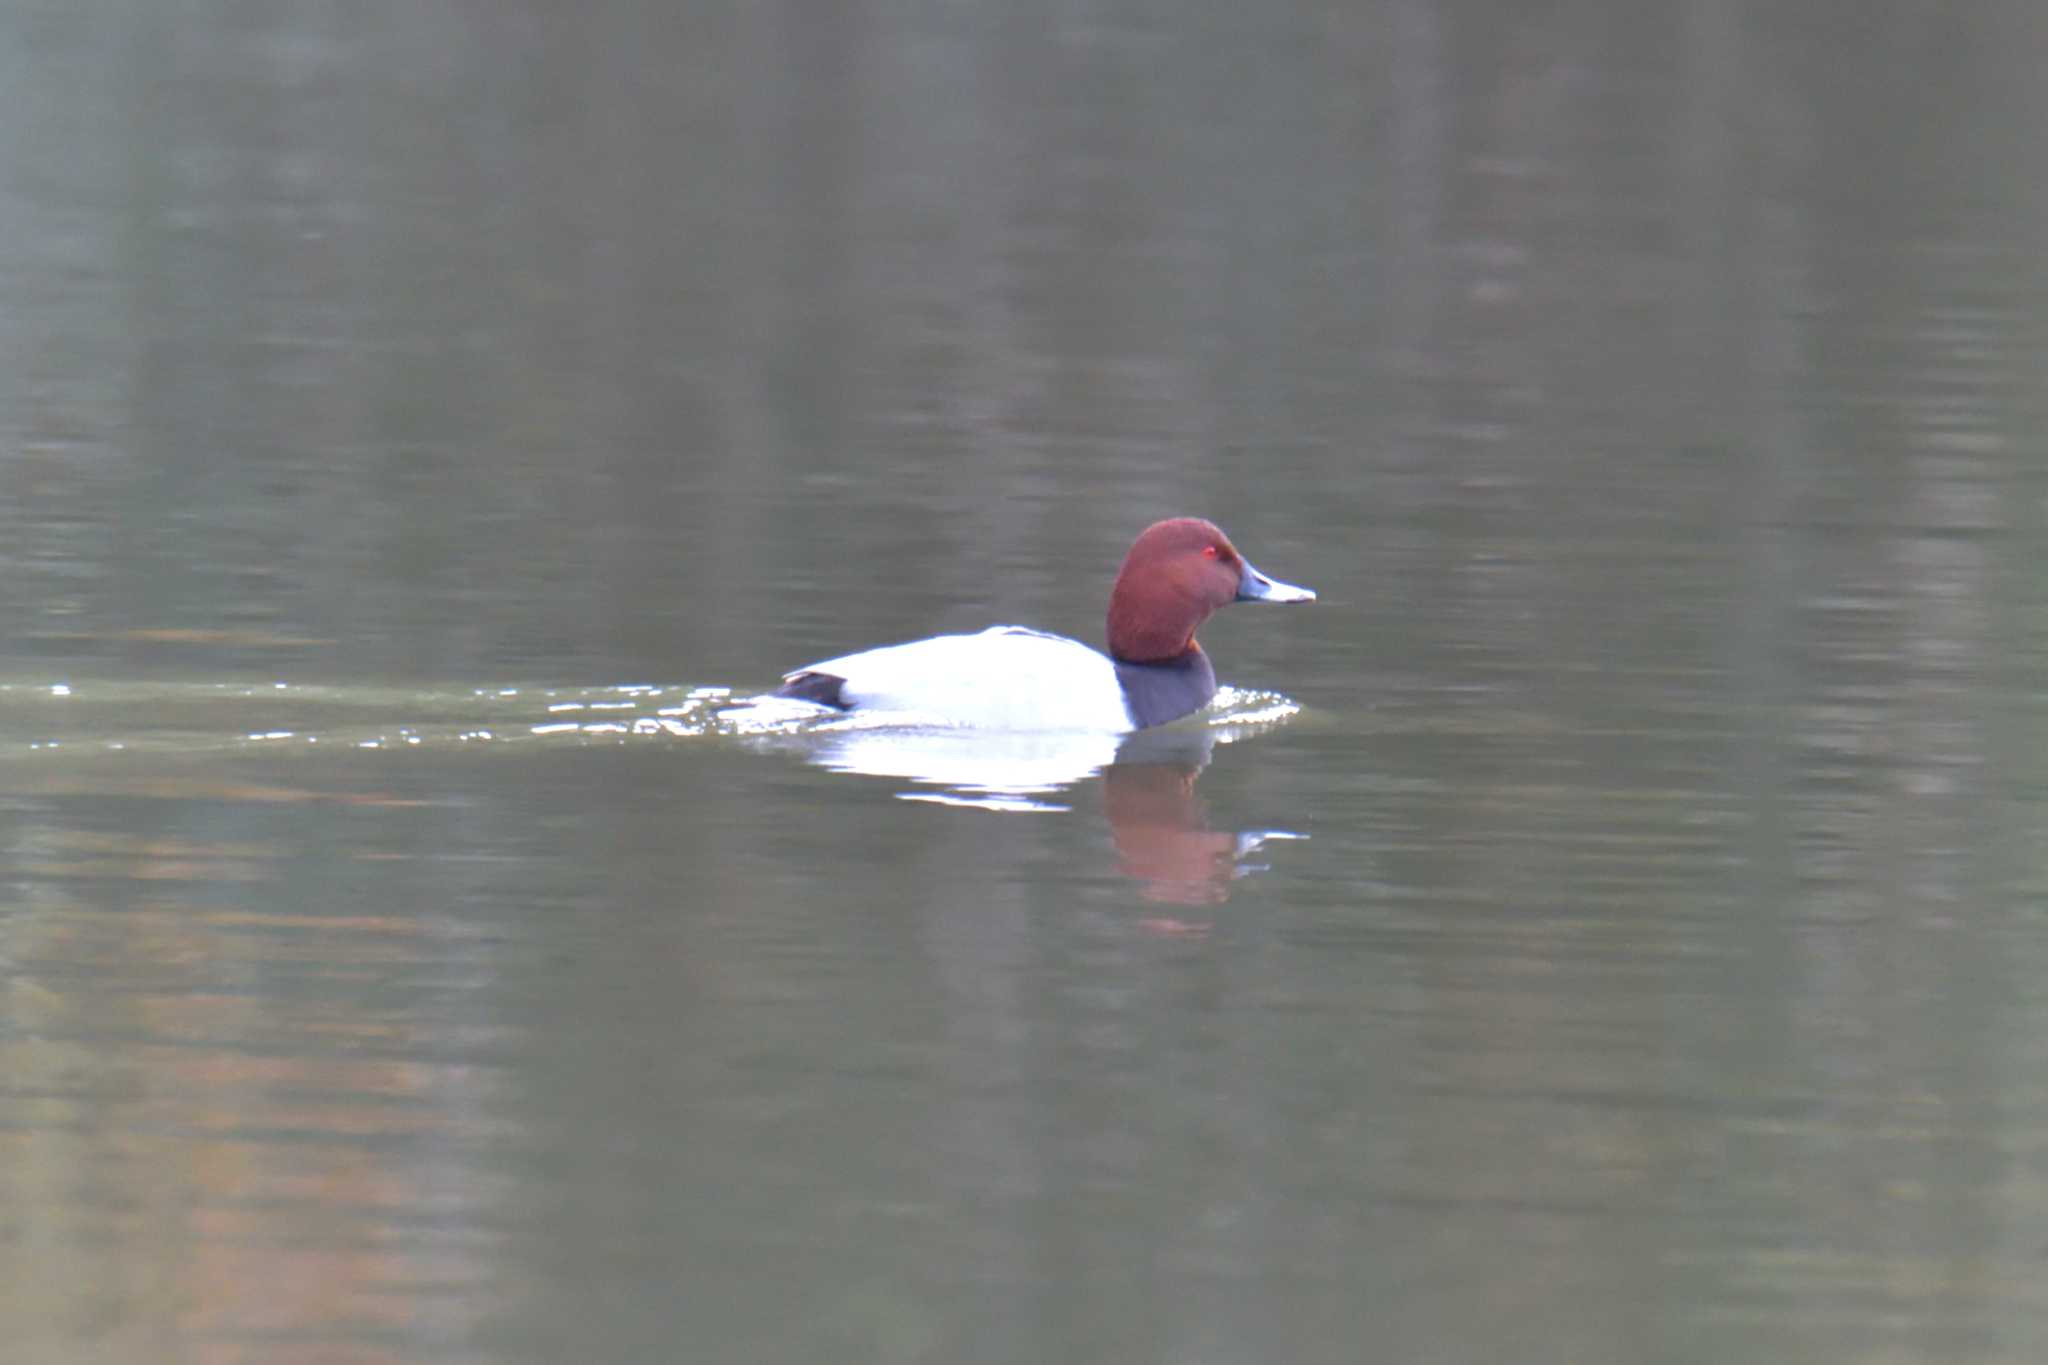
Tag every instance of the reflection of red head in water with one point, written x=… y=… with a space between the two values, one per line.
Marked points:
x=1162 y=837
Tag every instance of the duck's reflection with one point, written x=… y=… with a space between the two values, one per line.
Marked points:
x=990 y=770
x=1159 y=825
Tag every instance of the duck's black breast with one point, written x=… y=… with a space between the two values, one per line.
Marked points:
x=1157 y=693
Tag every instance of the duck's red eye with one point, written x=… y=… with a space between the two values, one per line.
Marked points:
x=1210 y=552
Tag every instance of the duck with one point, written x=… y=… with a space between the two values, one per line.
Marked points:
x=1177 y=574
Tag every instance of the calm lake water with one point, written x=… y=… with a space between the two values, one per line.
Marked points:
x=1611 y=926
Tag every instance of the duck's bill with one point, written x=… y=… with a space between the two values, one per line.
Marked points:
x=1253 y=586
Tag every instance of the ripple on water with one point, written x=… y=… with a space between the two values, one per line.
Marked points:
x=87 y=717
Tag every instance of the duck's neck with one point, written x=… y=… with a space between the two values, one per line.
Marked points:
x=1155 y=693
x=1140 y=633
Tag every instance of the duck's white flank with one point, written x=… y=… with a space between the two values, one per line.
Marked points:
x=1005 y=678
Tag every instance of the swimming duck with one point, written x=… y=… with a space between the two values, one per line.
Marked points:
x=1176 y=575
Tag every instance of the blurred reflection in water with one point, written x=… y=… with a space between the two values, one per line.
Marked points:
x=1161 y=830
x=1163 y=835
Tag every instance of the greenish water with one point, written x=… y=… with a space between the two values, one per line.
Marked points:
x=1608 y=926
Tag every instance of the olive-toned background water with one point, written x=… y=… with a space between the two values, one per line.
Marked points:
x=412 y=413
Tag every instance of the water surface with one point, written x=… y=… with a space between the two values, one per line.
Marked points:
x=1607 y=927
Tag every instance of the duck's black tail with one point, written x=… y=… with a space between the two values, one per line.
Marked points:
x=821 y=688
